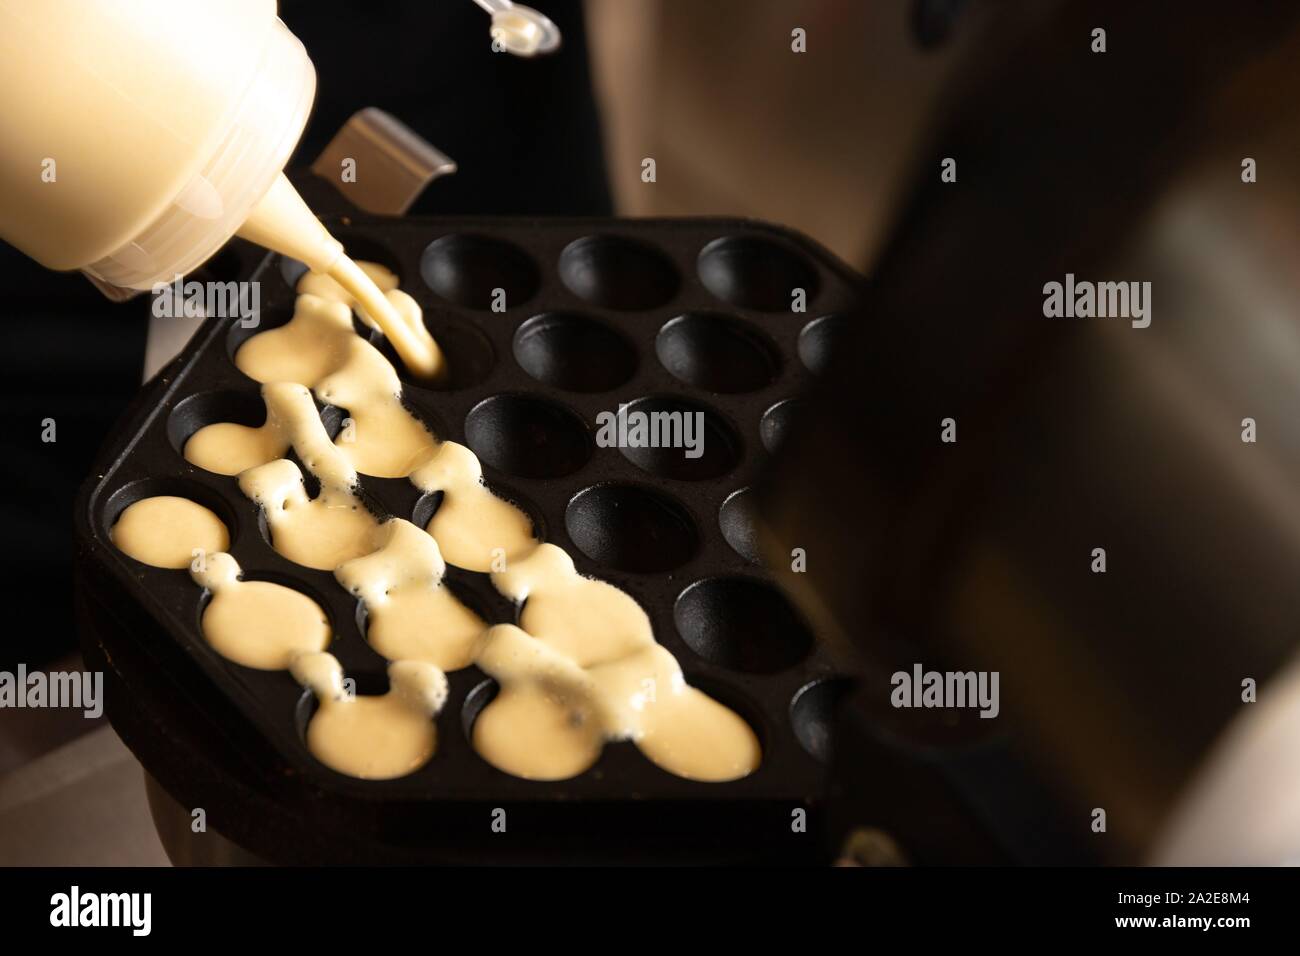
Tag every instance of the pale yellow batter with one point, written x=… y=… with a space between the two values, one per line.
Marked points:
x=543 y=723
x=551 y=715
x=584 y=668
x=475 y=529
x=633 y=685
x=167 y=531
x=375 y=738
x=257 y=624
x=400 y=326
x=588 y=621
x=536 y=732
x=227 y=448
x=282 y=221
x=320 y=349
x=320 y=532
x=410 y=614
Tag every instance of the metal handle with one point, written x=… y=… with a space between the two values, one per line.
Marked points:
x=379 y=164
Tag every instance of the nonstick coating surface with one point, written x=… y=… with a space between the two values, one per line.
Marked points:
x=690 y=315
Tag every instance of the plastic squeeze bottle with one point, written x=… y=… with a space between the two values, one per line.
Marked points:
x=138 y=136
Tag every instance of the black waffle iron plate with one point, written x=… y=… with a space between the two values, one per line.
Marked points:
x=664 y=315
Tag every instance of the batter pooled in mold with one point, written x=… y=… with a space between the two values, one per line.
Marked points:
x=167 y=531
x=319 y=348
x=402 y=324
x=258 y=624
x=551 y=716
x=378 y=737
x=227 y=448
x=583 y=667
x=410 y=614
x=588 y=621
x=321 y=531
x=475 y=529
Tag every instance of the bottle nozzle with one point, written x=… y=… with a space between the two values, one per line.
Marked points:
x=281 y=221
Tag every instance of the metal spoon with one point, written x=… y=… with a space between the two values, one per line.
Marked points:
x=521 y=30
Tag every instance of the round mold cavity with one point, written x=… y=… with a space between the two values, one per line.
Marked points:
x=479 y=696
x=289 y=581
x=428 y=503
x=291 y=270
x=574 y=352
x=135 y=491
x=778 y=422
x=420 y=405
x=467 y=269
x=365 y=684
x=753 y=272
x=237 y=407
x=716 y=352
x=465 y=595
x=736 y=518
x=743 y=705
x=484 y=692
x=741 y=623
x=527 y=437
x=819 y=340
x=311 y=485
x=631 y=528
x=275 y=318
x=265 y=320
x=207 y=408
x=332 y=418
x=812 y=714
x=362 y=248
x=357 y=247
x=468 y=352
x=615 y=272
x=670 y=420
